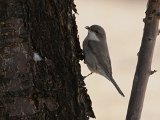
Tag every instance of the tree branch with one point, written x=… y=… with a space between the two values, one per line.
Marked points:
x=143 y=70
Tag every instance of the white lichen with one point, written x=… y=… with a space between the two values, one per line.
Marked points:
x=36 y=57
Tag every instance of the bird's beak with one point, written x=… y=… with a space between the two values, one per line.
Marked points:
x=87 y=27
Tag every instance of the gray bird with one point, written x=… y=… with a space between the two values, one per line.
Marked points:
x=96 y=54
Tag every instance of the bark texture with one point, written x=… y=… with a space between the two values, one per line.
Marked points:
x=48 y=89
x=143 y=70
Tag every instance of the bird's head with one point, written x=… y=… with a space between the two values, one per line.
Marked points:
x=96 y=31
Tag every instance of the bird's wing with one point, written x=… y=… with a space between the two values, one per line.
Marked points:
x=100 y=50
x=102 y=55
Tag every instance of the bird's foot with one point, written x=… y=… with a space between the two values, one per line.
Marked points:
x=87 y=75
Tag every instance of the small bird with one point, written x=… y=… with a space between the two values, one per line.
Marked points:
x=96 y=54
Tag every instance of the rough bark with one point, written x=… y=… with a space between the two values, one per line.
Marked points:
x=143 y=70
x=51 y=88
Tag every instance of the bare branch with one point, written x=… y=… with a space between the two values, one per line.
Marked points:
x=143 y=70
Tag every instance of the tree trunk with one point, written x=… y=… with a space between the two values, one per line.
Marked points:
x=40 y=76
x=143 y=70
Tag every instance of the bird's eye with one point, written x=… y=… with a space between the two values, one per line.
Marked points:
x=96 y=31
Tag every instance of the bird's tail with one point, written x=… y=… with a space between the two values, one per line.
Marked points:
x=117 y=87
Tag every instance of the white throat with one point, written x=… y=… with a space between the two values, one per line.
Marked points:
x=92 y=36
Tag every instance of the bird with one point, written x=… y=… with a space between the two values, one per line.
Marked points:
x=96 y=54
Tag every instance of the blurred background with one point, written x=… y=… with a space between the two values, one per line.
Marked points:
x=123 y=22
